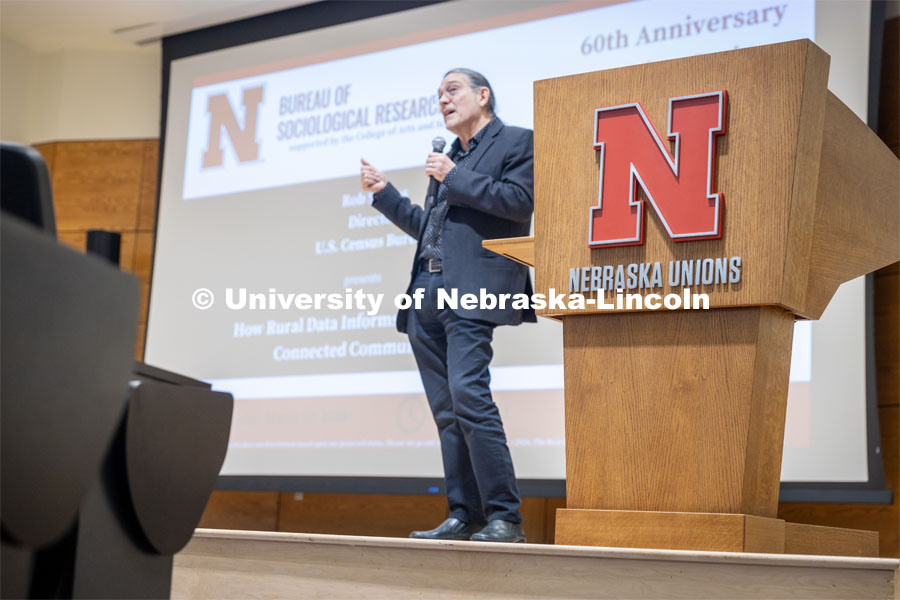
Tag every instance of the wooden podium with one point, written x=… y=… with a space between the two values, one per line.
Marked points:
x=675 y=418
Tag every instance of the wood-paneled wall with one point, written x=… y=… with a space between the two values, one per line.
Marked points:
x=112 y=185
x=108 y=185
x=354 y=514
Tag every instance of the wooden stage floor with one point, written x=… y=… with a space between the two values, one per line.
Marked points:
x=249 y=564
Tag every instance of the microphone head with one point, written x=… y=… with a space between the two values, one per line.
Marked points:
x=438 y=143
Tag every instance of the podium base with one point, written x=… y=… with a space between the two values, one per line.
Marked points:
x=715 y=532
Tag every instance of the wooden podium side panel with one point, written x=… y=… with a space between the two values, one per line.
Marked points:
x=857 y=169
x=801 y=222
x=676 y=411
x=767 y=159
x=768 y=405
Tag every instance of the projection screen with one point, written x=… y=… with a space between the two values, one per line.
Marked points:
x=333 y=390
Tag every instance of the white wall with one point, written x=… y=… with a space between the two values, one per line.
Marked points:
x=78 y=94
x=18 y=65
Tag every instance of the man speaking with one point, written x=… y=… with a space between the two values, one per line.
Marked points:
x=484 y=190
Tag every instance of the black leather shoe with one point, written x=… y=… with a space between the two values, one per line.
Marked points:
x=450 y=529
x=500 y=531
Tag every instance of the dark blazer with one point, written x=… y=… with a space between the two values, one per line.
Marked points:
x=493 y=197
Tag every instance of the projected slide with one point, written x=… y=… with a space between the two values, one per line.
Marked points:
x=275 y=280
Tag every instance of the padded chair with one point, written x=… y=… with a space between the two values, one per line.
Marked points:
x=107 y=464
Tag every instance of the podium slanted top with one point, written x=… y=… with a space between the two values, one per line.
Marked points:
x=735 y=174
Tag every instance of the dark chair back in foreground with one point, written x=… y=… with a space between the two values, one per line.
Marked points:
x=107 y=465
x=25 y=189
x=156 y=481
x=68 y=331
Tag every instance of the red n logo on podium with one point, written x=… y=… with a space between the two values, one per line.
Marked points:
x=681 y=189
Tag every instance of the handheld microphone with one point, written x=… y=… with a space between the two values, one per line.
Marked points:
x=437 y=145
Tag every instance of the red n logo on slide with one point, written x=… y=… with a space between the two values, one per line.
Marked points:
x=243 y=139
x=681 y=189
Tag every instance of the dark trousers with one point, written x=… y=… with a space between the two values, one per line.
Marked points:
x=453 y=355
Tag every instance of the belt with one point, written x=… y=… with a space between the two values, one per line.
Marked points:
x=431 y=265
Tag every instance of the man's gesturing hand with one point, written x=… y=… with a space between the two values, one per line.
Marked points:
x=438 y=165
x=371 y=178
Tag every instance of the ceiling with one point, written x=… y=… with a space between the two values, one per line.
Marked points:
x=135 y=25
x=119 y=25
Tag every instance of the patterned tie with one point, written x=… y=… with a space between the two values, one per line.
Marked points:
x=431 y=238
